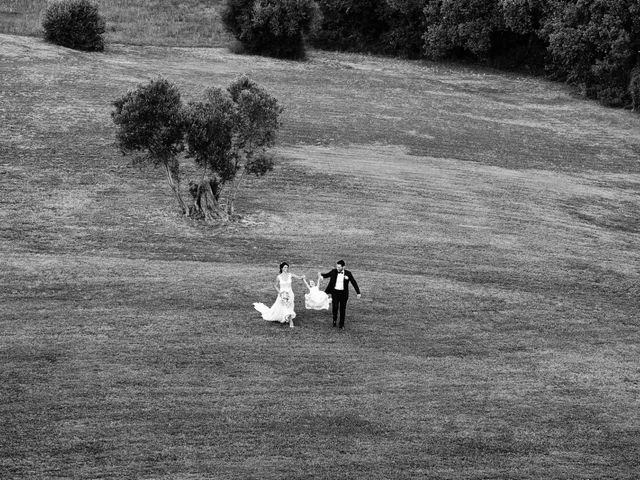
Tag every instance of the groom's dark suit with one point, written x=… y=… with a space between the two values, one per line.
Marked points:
x=339 y=298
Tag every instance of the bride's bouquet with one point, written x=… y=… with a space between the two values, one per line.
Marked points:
x=285 y=298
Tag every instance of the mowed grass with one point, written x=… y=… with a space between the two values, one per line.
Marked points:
x=490 y=220
x=135 y=22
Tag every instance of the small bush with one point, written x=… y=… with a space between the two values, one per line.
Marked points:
x=74 y=24
x=275 y=28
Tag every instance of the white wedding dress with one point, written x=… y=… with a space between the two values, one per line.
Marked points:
x=316 y=299
x=283 y=309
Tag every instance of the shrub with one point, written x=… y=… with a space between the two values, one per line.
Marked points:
x=271 y=27
x=74 y=24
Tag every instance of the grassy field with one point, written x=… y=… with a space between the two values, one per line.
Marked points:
x=491 y=220
x=134 y=22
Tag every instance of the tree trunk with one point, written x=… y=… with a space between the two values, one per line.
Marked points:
x=206 y=203
x=175 y=187
x=234 y=194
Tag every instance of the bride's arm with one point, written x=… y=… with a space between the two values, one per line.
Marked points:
x=297 y=277
x=277 y=284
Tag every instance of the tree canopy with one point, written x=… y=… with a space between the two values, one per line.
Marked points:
x=592 y=44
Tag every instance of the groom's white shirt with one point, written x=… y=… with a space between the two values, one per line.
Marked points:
x=340 y=281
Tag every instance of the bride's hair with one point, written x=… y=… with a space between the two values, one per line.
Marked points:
x=282 y=266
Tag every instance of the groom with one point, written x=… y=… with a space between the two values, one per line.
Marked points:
x=338 y=288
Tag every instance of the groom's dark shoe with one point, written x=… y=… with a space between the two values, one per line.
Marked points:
x=334 y=324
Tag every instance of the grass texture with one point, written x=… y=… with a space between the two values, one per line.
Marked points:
x=491 y=221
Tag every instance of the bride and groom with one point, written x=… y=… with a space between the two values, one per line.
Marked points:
x=336 y=294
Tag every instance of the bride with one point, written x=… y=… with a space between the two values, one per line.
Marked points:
x=283 y=309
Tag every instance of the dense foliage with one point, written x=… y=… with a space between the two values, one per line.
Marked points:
x=593 y=44
x=74 y=24
x=228 y=135
x=389 y=26
x=271 y=27
x=150 y=119
x=352 y=25
x=210 y=127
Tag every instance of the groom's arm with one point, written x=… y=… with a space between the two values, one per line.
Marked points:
x=325 y=275
x=355 y=284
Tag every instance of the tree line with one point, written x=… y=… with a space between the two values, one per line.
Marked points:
x=592 y=44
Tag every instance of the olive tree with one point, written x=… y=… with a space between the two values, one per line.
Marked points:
x=150 y=119
x=228 y=136
x=209 y=134
x=258 y=120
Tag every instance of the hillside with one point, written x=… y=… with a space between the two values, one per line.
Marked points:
x=491 y=221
